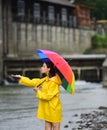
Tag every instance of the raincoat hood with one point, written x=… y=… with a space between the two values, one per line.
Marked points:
x=56 y=79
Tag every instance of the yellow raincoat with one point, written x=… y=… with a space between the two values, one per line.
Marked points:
x=50 y=107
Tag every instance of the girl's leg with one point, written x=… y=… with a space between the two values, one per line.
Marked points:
x=48 y=125
x=56 y=126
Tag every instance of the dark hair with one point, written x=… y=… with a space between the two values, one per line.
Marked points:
x=52 y=69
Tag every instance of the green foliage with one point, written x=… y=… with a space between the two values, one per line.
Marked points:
x=99 y=45
x=105 y=41
x=96 y=41
x=99 y=41
x=87 y=51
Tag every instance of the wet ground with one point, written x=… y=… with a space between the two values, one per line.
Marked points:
x=18 y=107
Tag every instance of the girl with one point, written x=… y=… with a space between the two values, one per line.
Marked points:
x=47 y=91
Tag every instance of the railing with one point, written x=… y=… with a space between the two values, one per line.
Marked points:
x=85 y=67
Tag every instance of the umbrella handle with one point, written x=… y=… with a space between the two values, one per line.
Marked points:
x=41 y=84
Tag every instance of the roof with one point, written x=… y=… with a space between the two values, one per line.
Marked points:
x=82 y=4
x=61 y=2
x=101 y=21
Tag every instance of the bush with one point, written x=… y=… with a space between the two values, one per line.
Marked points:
x=104 y=40
x=96 y=41
x=99 y=41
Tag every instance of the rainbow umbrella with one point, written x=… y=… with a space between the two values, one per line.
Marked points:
x=66 y=73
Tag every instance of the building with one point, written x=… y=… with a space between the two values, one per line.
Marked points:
x=27 y=25
x=32 y=24
x=82 y=13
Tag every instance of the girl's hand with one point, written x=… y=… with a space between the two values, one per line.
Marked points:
x=16 y=76
x=36 y=89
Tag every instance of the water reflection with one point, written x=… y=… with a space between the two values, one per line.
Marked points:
x=18 y=105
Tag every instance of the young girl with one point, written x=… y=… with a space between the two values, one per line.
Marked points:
x=47 y=91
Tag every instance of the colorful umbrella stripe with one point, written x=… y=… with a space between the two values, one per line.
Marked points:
x=66 y=73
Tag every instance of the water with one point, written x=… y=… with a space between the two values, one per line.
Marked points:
x=18 y=105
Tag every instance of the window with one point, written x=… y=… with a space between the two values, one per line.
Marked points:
x=51 y=13
x=64 y=15
x=20 y=8
x=70 y=20
x=36 y=10
x=74 y=21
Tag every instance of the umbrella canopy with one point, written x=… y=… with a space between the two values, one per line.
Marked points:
x=66 y=73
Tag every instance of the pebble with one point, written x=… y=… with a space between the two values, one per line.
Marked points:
x=95 y=120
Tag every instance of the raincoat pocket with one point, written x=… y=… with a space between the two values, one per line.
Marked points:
x=53 y=103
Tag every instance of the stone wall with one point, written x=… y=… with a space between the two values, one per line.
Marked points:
x=25 y=40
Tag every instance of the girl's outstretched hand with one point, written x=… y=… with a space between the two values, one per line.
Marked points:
x=36 y=89
x=16 y=76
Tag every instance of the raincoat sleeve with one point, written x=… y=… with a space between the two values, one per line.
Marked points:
x=30 y=82
x=52 y=91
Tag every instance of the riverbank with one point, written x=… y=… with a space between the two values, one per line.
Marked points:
x=18 y=106
x=86 y=109
x=95 y=120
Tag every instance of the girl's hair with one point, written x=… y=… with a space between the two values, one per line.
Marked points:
x=52 y=69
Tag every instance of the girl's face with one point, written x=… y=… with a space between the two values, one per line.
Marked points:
x=45 y=69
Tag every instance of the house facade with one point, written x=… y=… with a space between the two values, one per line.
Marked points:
x=28 y=25
x=32 y=24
